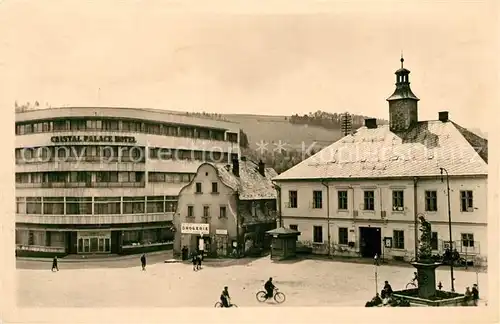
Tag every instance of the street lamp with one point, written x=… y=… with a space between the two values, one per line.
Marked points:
x=449 y=225
x=376 y=275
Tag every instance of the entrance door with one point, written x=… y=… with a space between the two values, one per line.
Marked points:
x=370 y=241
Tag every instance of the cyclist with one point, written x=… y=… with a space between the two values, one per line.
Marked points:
x=269 y=287
x=224 y=297
x=415 y=278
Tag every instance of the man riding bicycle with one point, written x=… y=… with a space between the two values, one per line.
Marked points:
x=269 y=287
x=224 y=297
x=415 y=278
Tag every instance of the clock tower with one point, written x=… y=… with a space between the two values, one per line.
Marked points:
x=403 y=112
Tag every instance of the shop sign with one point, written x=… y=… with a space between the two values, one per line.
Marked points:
x=87 y=234
x=92 y=138
x=221 y=231
x=193 y=228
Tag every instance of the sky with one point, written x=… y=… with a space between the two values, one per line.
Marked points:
x=253 y=57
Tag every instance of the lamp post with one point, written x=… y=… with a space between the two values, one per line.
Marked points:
x=376 y=275
x=443 y=170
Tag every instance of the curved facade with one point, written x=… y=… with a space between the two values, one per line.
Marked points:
x=107 y=180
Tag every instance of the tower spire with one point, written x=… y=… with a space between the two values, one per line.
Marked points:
x=402 y=59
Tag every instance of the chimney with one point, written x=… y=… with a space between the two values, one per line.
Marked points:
x=371 y=123
x=262 y=168
x=236 y=167
x=443 y=116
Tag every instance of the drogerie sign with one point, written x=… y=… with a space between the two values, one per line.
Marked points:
x=92 y=138
x=193 y=228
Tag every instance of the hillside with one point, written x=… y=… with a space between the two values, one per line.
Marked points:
x=272 y=129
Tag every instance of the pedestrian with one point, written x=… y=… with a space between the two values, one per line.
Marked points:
x=199 y=262
x=54 y=264
x=194 y=258
x=475 y=294
x=468 y=297
x=143 y=262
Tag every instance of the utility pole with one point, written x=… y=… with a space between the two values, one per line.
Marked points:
x=346 y=123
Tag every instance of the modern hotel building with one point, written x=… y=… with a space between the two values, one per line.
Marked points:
x=107 y=180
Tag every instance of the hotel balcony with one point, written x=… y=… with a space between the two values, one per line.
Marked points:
x=81 y=185
x=94 y=219
x=74 y=165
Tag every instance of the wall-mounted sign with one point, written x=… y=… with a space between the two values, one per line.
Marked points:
x=193 y=228
x=221 y=231
x=388 y=242
x=92 y=138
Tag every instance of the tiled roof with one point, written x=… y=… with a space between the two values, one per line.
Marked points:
x=250 y=184
x=380 y=153
x=282 y=230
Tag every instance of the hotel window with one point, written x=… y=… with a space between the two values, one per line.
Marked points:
x=206 y=211
x=430 y=200
x=399 y=239
x=294 y=227
x=292 y=198
x=53 y=205
x=198 y=187
x=133 y=205
x=131 y=126
x=20 y=205
x=156 y=177
x=128 y=177
x=79 y=176
x=434 y=241
x=188 y=131
x=317 y=234
x=398 y=200
x=171 y=206
x=77 y=124
x=110 y=125
x=232 y=137
x=222 y=212
x=36 y=177
x=22 y=177
x=343 y=235
x=466 y=201
x=185 y=177
x=60 y=125
x=215 y=188
x=153 y=129
x=190 y=211
x=57 y=177
x=78 y=205
x=34 y=205
x=468 y=240
x=369 y=200
x=342 y=199
x=107 y=176
x=107 y=205
x=155 y=204
x=317 y=199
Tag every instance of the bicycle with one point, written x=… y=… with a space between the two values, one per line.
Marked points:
x=411 y=284
x=278 y=296
x=219 y=305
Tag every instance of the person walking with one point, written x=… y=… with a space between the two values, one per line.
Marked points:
x=143 y=262
x=475 y=294
x=54 y=264
x=198 y=262
x=194 y=259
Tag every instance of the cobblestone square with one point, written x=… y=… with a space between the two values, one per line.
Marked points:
x=305 y=283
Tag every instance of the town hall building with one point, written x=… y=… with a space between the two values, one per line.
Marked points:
x=363 y=194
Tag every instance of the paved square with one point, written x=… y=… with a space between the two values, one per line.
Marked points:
x=305 y=283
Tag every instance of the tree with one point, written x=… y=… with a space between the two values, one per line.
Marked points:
x=243 y=139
